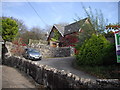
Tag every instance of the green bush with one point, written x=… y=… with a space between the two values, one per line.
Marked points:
x=110 y=55
x=96 y=51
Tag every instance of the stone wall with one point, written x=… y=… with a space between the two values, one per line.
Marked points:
x=37 y=42
x=56 y=52
x=13 y=49
x=57 y=79
x=48 y=51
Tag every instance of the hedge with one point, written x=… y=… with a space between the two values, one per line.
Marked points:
x=96 y=51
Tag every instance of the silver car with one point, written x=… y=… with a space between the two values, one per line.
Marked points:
x=32 y=54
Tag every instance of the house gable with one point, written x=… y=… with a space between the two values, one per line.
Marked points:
x=51 y=34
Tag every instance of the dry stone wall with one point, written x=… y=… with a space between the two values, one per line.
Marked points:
x=55 y=79
x=48 y=51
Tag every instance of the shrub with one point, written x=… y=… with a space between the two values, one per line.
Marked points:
x=95 y=51
x=18 y=47
x=110 y=55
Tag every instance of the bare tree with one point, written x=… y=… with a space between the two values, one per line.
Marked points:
x=96 y=18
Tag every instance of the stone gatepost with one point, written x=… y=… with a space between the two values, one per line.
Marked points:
x=1 y=42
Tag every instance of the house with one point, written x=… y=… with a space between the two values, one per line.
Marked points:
x=66 y=35
x=1 y=42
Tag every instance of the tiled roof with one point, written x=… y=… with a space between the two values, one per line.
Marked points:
x=74 y=27
x=68 y=29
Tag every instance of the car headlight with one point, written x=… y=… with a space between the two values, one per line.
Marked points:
x=40 y=55
x=31 y=55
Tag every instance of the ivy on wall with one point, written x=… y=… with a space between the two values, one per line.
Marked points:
x=56 y=35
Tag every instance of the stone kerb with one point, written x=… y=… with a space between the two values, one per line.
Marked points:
x=53 y=78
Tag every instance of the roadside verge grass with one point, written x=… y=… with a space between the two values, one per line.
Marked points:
x=103 y=71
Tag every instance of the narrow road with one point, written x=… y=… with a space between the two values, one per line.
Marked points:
x=65 y=63
x=12 y=78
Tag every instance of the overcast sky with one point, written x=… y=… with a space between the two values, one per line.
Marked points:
x=49 y=13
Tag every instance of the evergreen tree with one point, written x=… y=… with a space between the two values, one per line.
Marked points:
x=9 y=29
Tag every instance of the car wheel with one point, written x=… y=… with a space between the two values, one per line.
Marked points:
x=27 y=57
x=40 y=58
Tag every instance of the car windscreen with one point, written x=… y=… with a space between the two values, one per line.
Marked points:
x=33 y=50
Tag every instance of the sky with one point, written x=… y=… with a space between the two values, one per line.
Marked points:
x=43 y=14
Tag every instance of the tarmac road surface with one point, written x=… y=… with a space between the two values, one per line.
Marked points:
x=65 y=63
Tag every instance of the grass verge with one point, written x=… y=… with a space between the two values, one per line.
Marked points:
x=104 y=71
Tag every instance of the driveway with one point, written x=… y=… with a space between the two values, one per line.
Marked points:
x=65 y=63
x=12 y=78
